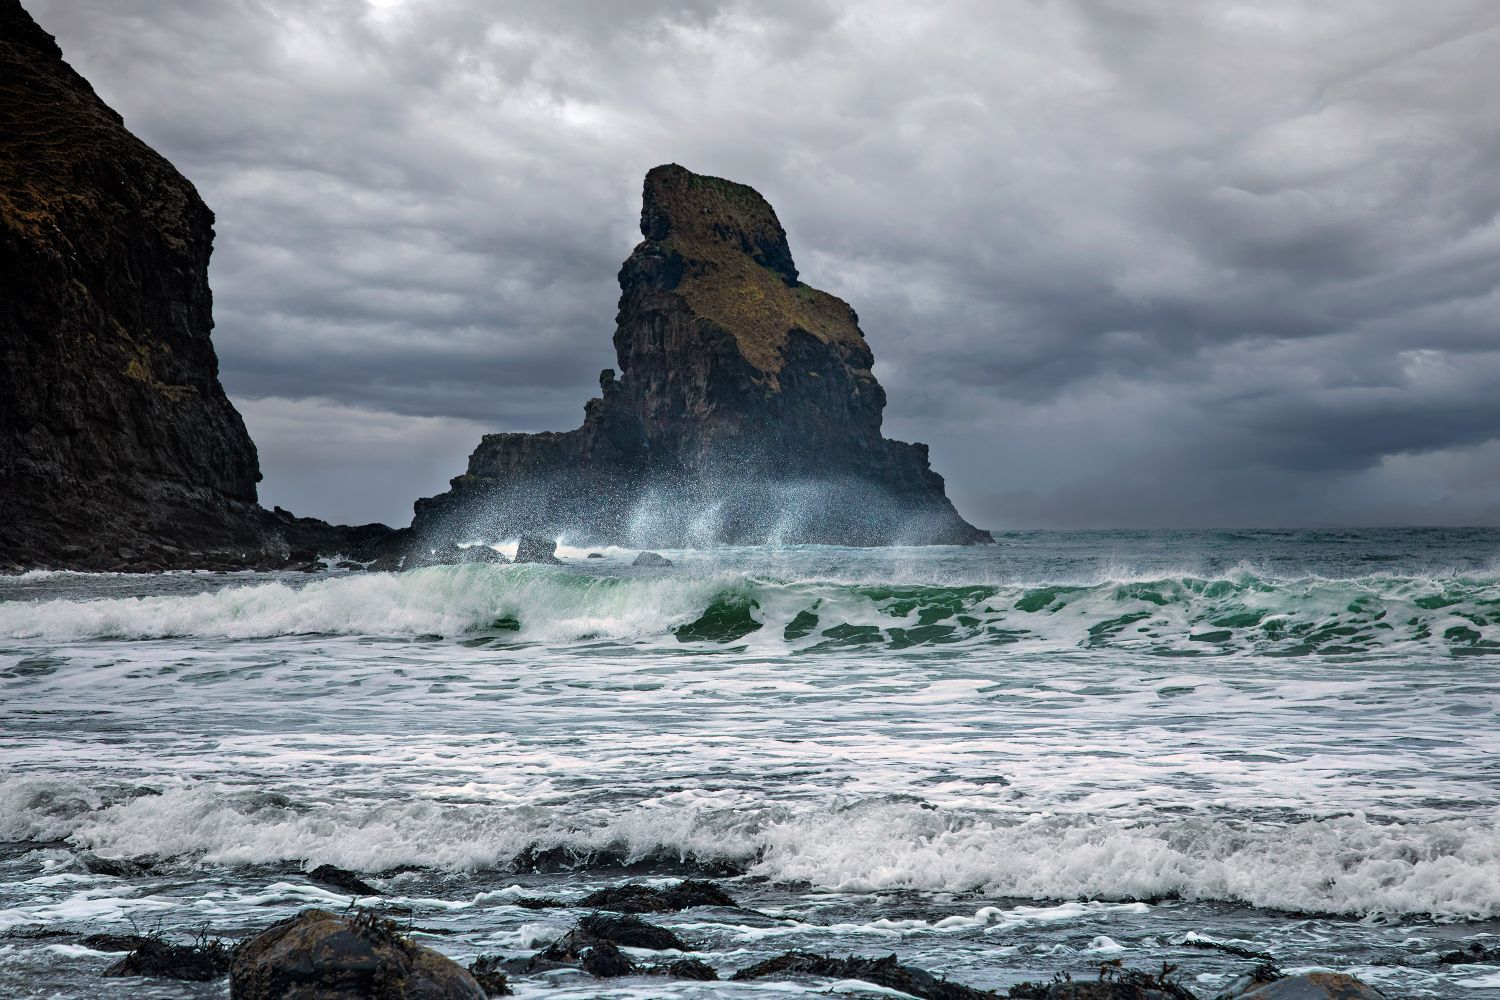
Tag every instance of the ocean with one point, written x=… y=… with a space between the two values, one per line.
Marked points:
x=1000 y=763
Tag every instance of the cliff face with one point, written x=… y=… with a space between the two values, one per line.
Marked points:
x=745 y=410
x=118 y=447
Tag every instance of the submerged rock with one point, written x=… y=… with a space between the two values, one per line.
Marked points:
x=539 y=903
x=319 y=956
x=536 y=550
x=636 y=898
x=343 y=880
x=651 y=559
x=1474 y=954
x=111 y=867
x=41 y=932
x=160 y=959
x=885 y=972
x=685 y=968
x=745 y=408
x=114 y=942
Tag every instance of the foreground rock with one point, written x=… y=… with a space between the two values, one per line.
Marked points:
x=745 y=410
x=159 y=959
x=319 y=956
x=118 y=446
x=885 y=972
x=1309 y=986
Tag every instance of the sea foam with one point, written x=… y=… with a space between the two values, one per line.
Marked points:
x=1341 y=865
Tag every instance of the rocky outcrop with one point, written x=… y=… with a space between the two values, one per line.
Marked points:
x=745 y=409
x=320 y=956
x=118 y=446
x=1308 y=986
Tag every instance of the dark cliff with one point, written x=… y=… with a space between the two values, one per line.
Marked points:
x=745 y=409
x=118 y=446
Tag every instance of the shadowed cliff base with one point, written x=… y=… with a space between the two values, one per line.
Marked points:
x=745 y=411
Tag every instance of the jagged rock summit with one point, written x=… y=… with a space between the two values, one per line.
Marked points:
x=118 y=446
x=744 y=411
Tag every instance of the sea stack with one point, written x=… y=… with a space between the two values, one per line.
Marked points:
x=744 y=410
x=118 y=446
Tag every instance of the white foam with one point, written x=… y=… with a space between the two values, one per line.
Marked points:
x=1347 y=864
x=1178 y=615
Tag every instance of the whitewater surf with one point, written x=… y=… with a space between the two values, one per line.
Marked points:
x=1002 y=763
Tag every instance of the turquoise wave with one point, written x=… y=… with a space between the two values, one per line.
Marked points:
x=1176 y=616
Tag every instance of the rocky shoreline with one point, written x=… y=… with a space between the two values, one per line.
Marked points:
x=372 y=950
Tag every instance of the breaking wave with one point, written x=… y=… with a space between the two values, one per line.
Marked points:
x=1168 y=616
x=1349 y=864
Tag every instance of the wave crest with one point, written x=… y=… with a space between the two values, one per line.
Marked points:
x=1172 y=616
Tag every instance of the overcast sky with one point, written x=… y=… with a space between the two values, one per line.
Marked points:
x=1121 y=262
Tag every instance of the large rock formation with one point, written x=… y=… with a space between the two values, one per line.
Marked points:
x=745 y=409
x=118 y=447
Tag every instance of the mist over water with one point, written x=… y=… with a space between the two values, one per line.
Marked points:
x=987 y=760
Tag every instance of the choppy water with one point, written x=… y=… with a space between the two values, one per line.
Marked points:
x=998 y=763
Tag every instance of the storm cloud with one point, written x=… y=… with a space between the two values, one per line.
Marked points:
x=1121 y=262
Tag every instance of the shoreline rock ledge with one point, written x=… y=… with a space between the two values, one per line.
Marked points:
x=744 y=412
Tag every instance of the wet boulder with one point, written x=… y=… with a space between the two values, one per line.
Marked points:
x=157 y=958
x=636 y=898
x=536 y=550
x=453 y=554
x=1308 y=986
x=482 y=554
x=604 y=960
x=629 y=932
x=651 y=559
x=342 y=880
x=319 y=956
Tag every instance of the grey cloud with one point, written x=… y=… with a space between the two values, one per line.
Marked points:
x=1120 y=261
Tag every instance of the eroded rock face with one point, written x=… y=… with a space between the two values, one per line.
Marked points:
x=320 y=956
x=118 y=446
x=745 y=410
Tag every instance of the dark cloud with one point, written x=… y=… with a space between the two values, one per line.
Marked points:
x=1121 y=261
